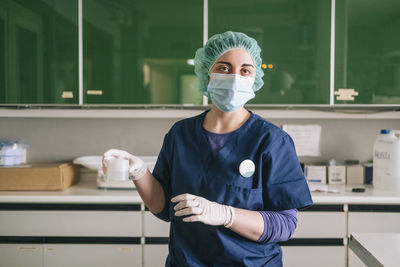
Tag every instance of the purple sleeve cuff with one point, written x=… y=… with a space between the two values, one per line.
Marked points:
x=278 y=225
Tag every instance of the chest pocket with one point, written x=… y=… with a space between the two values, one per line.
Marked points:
x=235 y=194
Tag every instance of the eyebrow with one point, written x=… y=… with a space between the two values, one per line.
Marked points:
x=229 y=64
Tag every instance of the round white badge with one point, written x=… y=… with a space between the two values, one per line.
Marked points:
x=247 y=168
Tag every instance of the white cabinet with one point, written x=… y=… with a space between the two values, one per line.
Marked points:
x=313 y=256
x=320 y=225
x=371 y=219
x=154 y=227
x=71 y=235
x=21 y=255
x=83 y=255
x=119 y=235
x=156 y=232
x=374 y=222
x=318 y=239
x=155 y=255
x=77 y=255
x=70 y=223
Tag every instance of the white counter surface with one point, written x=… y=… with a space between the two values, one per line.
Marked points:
x=346 y=196
x=83 y=192
x=87 y=192
x=377 y=249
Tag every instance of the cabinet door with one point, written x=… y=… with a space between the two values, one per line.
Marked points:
x=294 y=37
x=40 y=41
x=92 y=255
x=374 y=222
x=314 y=256
x=21 y=255
x=155 y=255
x=139 y=52
x=3 y=53
x=70 y=223
x=320 y=225
x=367 y=52
x=154 y=227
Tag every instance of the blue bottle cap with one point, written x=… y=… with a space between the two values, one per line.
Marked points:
x=385 y=131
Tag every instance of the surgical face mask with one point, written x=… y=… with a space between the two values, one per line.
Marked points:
x=230 y=91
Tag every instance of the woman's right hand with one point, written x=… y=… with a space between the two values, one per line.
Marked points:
x=137 y=167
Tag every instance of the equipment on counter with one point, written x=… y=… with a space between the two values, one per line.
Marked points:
x=95 y=163
x=386 y=166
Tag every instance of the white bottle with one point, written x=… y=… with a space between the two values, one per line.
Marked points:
x=386 y=166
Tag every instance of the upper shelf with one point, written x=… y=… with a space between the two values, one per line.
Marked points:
x=179 y=112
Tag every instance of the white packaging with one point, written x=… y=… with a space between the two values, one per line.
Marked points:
x=315 y=174
x=386 y=166
x=11 y=153
x=337 y=174
x=118 y=169
x=355 y=174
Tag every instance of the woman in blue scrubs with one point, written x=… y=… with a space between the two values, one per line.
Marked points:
x=229 y=181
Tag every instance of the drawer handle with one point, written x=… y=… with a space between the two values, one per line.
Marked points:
x=27 y=248
x=125 y=249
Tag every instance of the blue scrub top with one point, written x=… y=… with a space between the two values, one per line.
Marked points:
x=186 y=164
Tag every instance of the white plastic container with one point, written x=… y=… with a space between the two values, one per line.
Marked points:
x=386 y=166
x=118 y=169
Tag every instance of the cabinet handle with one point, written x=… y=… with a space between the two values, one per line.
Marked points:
x=27 y=248
x=346 y=94
x=67 y=94
x=94 y=92
x=125 y=249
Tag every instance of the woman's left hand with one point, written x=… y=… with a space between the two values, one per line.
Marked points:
x=203 y=210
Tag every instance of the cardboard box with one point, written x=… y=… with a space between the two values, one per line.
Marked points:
x=57 y=176
x=355 y=174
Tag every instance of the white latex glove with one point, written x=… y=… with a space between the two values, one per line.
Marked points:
x=203 y=210
x=137 y=167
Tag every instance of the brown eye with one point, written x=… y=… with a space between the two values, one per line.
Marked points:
x=223 y=68
x=246 y=71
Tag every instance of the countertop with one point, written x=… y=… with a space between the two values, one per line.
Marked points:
x=83 y=192
x=376 y=249
x=87 y=192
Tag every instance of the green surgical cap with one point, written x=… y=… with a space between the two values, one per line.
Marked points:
x=219 y=44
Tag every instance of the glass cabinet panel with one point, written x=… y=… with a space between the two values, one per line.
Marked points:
x=38 y=51
x=294 y=37
x=139 y=52
x=367 y=52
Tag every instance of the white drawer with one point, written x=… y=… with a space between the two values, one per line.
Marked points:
x=374 y=222
x=314 y=256
x=154 y=227
x=29 y=255
x=70 y=223
x=92 y=255
x=320 y=224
